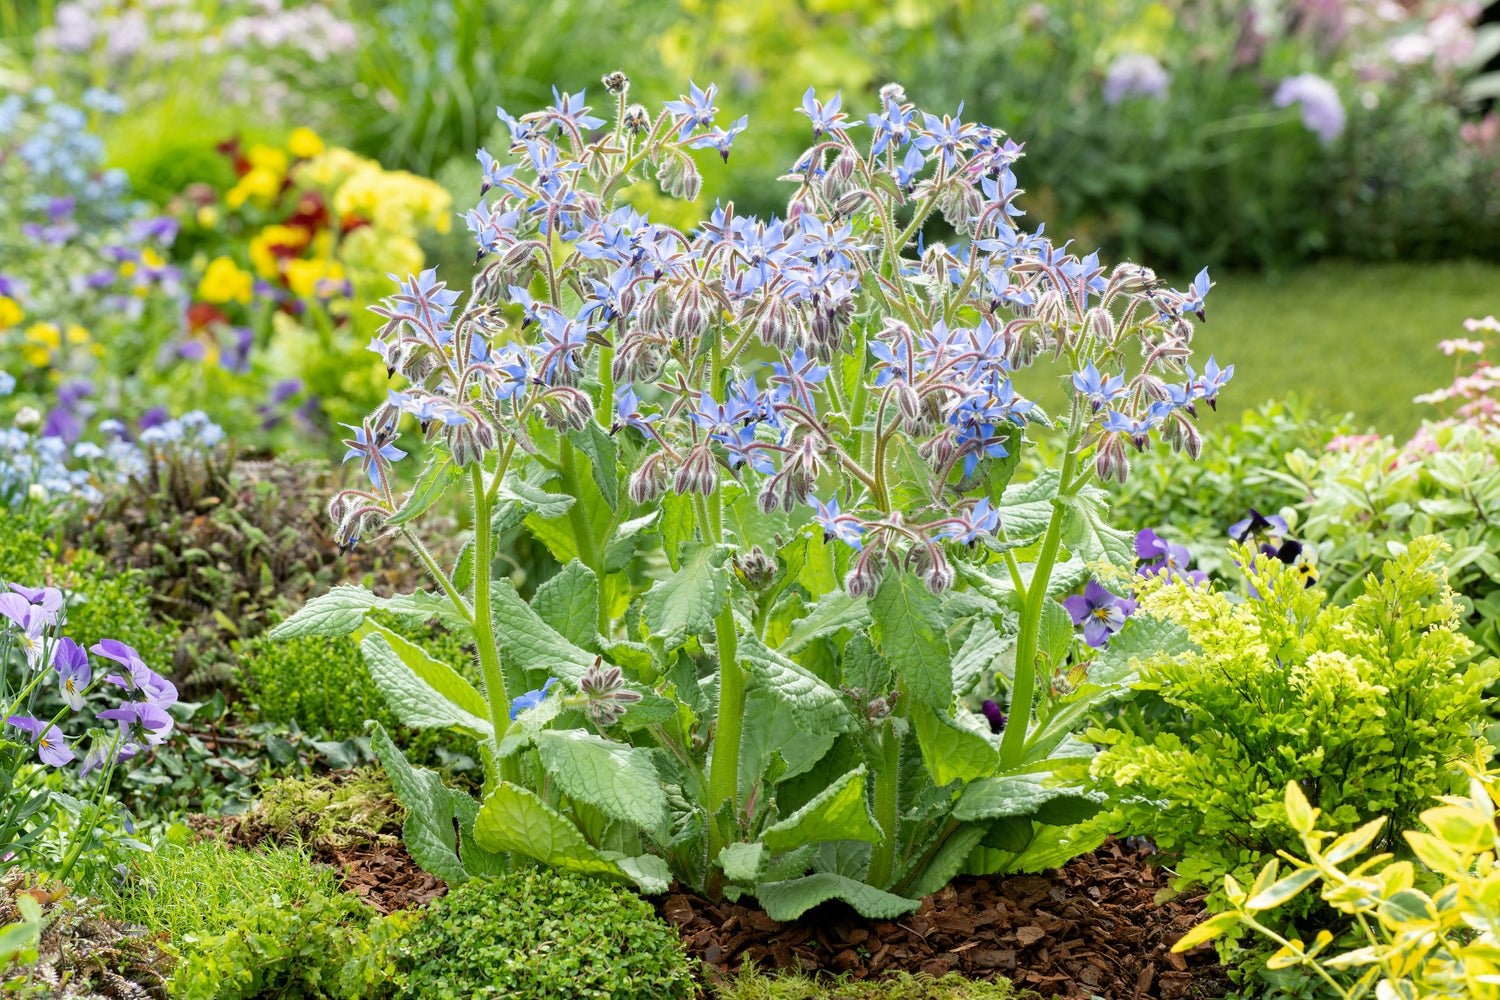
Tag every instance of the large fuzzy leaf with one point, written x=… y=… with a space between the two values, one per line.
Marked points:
x=338 y=612
x=814 y=705
x=835 y=611
x=440 y=474
x=595 y=442
x=949 y=750
x=415 y=700
x=531 y=644
x=569 y=602
x=979 y=655
x=1008 y=795
x=790 y=899
x=1026 y=508
x=430 y=811
x=910 y=632
x=839 y=812
x=618 y=779
x=512 y=818
x=685 y=603
x=1143 y=637
x=770 y=728
x=1086 y=532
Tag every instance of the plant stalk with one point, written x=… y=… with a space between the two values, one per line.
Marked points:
x=883 y=857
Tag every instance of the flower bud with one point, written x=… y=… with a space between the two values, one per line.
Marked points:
x=758 y=568
x=1100 y=325
x=649 y=481
x=679 y=178
x=893 y=93
x=864 y=577
x=656 y=309
x=691 y=320
x=960 y=203
x=1132 y=279
x=637 y=120
x=1111 y=461
x=607 y=694
x=469 y=441
x=27 y=418
x=849 y=203
x=837 y=178
x=699 y=474
x=616 y=82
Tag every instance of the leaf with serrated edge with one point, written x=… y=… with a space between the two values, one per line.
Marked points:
x=512 y=818
x=1144 y=637
x=741 y=862
x=1010 y=795
x=338 y=612
x=685 y=603
x=949 y=859
x=650 y=873
x=835 y=611
x=790 y=899
x=839 y=812
x=814 y=704
x=440 y=676
x=910 y=633
x=428 y=829
x=978 y=656
x=440 y=474
x=569 y=602
x=678 y=520
x=595 y=442
x=1026 y=508
x=1086 y=533
x=413 y=700
x=949 y=750
x=618 y=779
x=531 y=643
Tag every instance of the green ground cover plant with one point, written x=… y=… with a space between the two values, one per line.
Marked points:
x=543 y=934
x=753 y=984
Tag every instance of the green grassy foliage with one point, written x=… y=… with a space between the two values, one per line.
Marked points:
x=204 y=888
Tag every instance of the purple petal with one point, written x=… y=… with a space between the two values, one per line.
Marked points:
x=1095 y=632
x=113 y=649
x=26 y=723
x=1078 y=608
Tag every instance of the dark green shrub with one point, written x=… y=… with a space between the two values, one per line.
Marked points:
x=543 y=934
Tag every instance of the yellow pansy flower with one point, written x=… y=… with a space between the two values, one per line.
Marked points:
x=263 y=258
x=46 y=334
x=302 y=276
x=151 y=258
x=224 y=281
x=304 y=143
x=268 y=158
x=76 y=334
x=10 y=312
x=208 y=216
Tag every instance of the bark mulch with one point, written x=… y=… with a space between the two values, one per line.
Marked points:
x=1090 y=929
x=374 y=867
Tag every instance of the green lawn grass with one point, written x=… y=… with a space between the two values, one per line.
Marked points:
x=1345 y=336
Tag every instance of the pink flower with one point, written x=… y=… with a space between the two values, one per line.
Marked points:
x=1461 y=346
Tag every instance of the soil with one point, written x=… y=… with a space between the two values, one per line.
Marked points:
x=1090 y=929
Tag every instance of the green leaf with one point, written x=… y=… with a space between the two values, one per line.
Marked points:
x=741 y=862
x=1144 y=637
x=1086 y=532
x=414 y=700
x=949 y=859
x=820 y=569
x=1008 y=795
x=650 y=873
x=750 y=525
x=1026 y=508
x=439 y=475
x=911 y=634
x=949 y=750
x=517 y=498
x=338 y=612
x=478 y=862
x=595 y=442
x=685 y=603
x=618 y=779
x=839 y=812
x=530 y=644
x=679 y=521
x=625 y=540
x=428 y=829
x=979 y=655
x=815 y=706
x=1054 y=635
x=514 y=819
x=440 y=676
x=770 y=728
x=835 y=611
x=569 y=602
x=1207 y=931
x=1283 y=890
x=790 y=899
x=864 y=668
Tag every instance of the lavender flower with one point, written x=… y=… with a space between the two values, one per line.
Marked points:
x=51 y=744
x=73 y=673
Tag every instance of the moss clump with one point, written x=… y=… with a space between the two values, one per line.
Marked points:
x=752 y=984
x=544 y=935
x=333 y=809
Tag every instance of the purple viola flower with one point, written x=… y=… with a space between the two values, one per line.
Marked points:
x=49 y=599
x=992 y=713
x=31 y=625
x=845 y=527
x=73 y=673
x=1100 y=612
x=140 y=721
x=104 y=751
x=142 y=680
x=154 y=417
x=1257 y=524
x=162 y=228
x=1135 y=74
x=531 y=699
x=51 y=744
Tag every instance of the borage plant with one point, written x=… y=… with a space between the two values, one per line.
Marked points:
x=773 y=458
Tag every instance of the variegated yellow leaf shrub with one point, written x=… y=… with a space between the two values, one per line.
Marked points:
x=1429 y=926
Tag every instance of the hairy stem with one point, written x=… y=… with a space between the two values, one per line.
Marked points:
x=883 y=857
x=484 y=624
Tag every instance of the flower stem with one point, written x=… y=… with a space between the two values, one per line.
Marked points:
x=484 y=625
x=1013 y=742
x=883 y=857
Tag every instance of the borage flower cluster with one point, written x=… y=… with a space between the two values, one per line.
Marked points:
x=793 y=356
x=35 y=655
